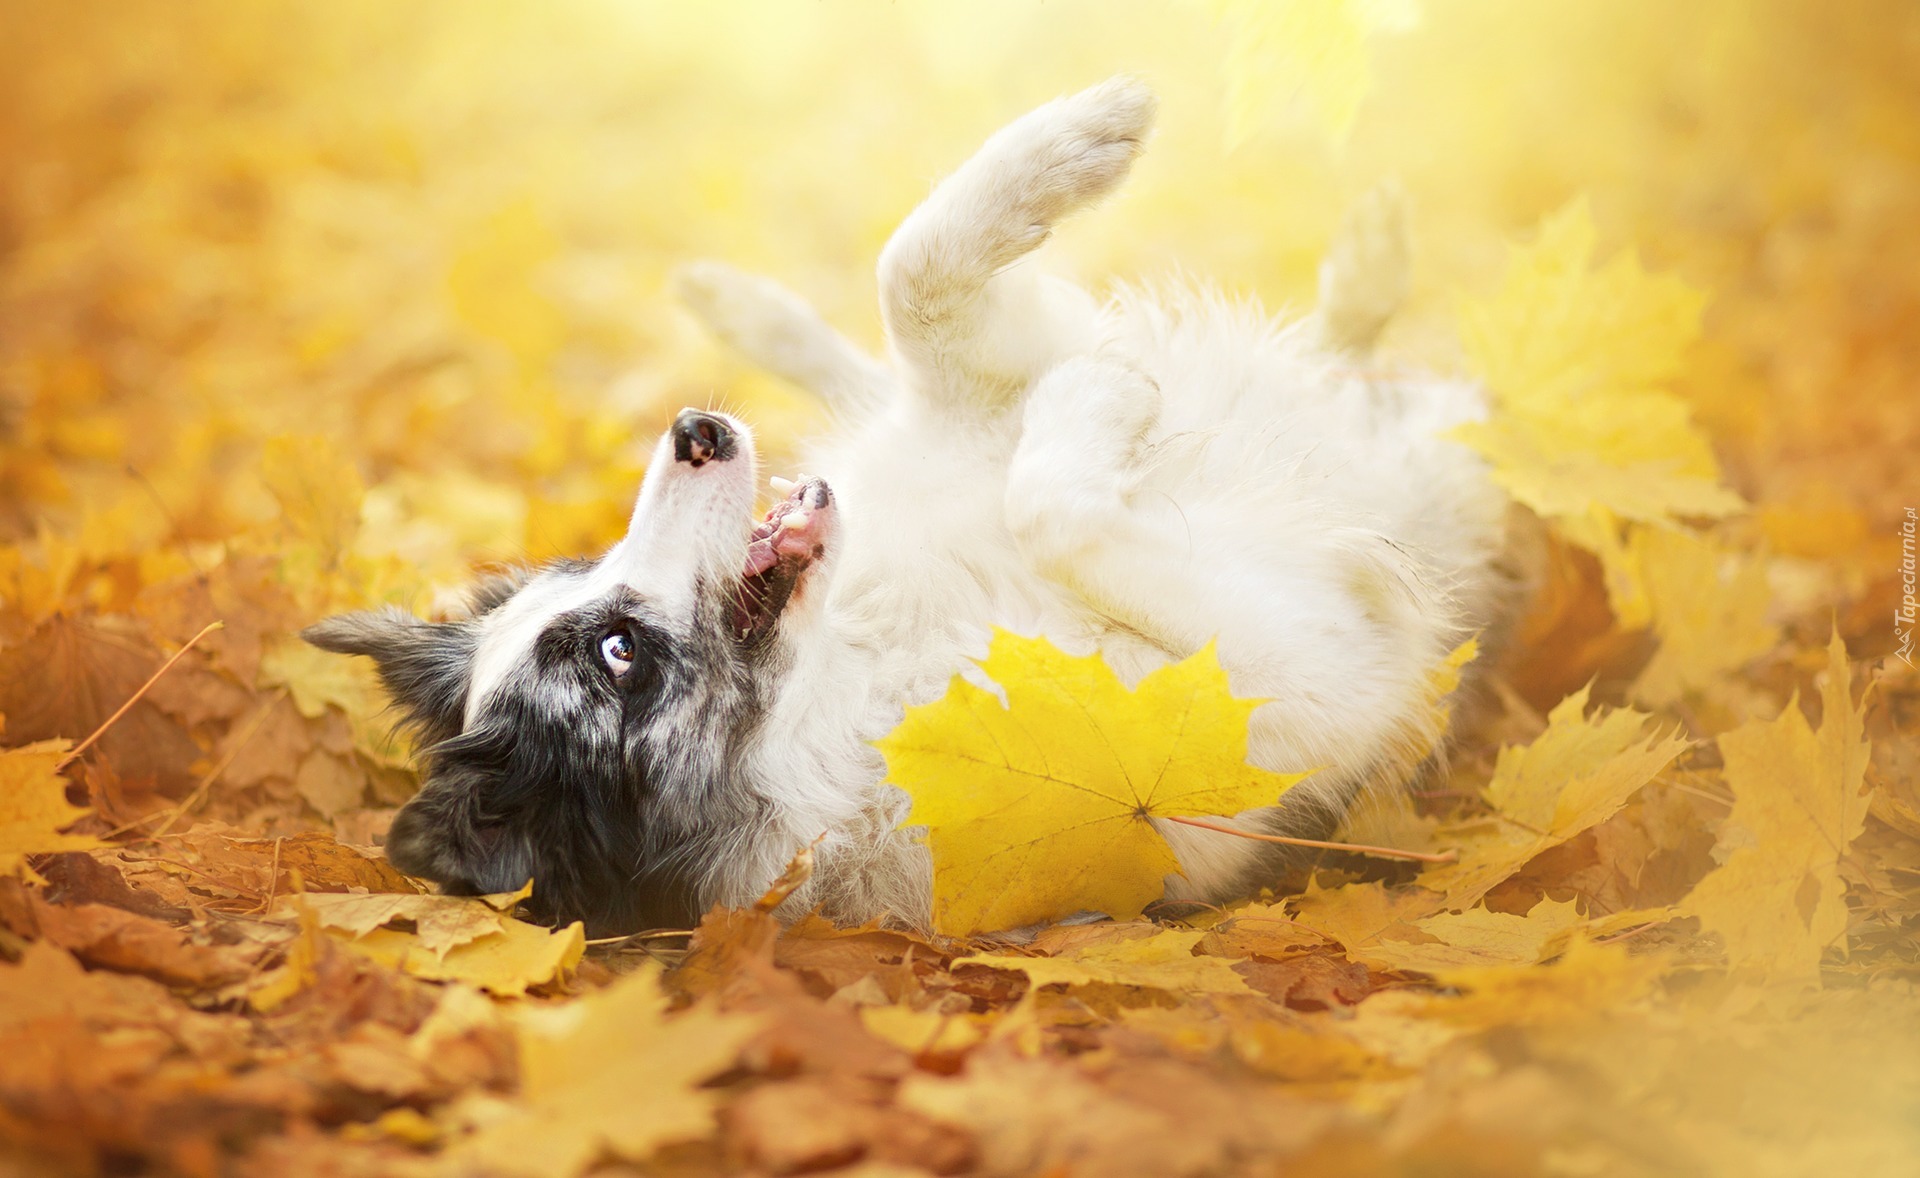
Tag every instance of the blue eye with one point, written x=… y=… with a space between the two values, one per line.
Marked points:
x=617 y=649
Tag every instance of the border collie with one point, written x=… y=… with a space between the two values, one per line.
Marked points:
x=661 y=729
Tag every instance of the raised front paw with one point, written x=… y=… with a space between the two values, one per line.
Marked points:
x=1081 y=455
x=1364 y=279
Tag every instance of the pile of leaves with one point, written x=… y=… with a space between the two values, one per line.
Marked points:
x=305 y=308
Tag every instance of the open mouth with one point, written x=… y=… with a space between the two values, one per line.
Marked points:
x=782 y=546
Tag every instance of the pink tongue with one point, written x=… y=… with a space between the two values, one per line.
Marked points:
x=760 y=557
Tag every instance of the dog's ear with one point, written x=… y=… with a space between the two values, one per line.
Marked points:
x=425 y=665
x=492 y=590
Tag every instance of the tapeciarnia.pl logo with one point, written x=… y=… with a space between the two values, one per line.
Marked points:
x=1903 y=618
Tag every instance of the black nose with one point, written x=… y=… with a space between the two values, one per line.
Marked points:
x=701 y=437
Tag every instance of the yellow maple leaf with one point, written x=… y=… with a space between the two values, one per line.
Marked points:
x=1283 y=51
x=1163 y=961
x=607 y=1074
x=1041 y=808
x=34 y=807
x=1361 y=914
x=456 y=939
x=1560 y=329
x=1636 y=455
x=1576 y=774
x=1572 y=355
x=507 y=962
x=1478 y=937
x=1777 y=900
x=316 y=680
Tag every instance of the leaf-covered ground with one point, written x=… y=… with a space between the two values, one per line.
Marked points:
x=304 y=307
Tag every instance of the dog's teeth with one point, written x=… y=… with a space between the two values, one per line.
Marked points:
x=781 y=486
x=793 y=521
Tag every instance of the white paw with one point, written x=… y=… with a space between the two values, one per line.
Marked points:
x=1097 y=407
x=1364 y=278
x=1080 y=456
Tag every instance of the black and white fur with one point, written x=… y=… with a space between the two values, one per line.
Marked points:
x=660 y=730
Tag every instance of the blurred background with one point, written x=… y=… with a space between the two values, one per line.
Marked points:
x=307 y=305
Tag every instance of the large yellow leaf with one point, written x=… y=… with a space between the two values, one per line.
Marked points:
x=34 y=807
x=607 y=1074
x=1777 y=900
x=1573 y=355
x=1040 y=807
x=1576 y=774
x=1560 y=329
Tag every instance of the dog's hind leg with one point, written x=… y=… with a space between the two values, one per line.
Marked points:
x=1363 y=280
x=966 y=324
x=774 y=328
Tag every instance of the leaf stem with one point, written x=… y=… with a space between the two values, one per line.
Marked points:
x=1355 y=848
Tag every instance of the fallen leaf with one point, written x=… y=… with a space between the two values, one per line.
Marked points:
x=922 y=1032
x=1478 y=937
x=1163 y=961
x=1709 y=605
x=1588 y=984
x=1577 y=773
x=1359 y=915
x=509 y=962
x=1777 y=899
x=608 y=1074
x=441 y=923
x=110 y=938
x=71 y=673
x=34 y=807
x=1042 y=807
x=1309 y=981
x=1573 y=355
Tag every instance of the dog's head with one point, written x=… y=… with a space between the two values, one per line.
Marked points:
x=584 y=727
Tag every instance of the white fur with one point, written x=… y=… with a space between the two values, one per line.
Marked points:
x=1138 y=478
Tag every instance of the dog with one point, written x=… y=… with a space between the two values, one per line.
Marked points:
x=659 y=730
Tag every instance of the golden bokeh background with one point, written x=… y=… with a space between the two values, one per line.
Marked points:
x=434 y=238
